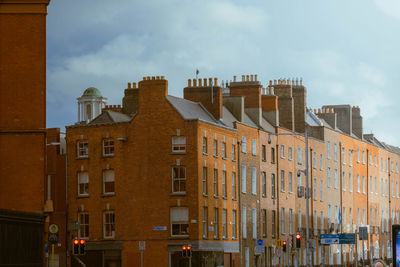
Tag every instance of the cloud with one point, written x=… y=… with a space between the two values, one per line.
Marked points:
x=389 y=7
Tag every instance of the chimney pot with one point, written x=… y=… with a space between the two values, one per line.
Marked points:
x=243 y=79
x=234 y=78
x=194 y=82
x=210 y=81
x=205 y=82
x=153 y=78
x=162 y=78
x=251 y=77
x=144 y=78
x=189 y=82
x=129 y=85
x=270 y=82
x=148 y=78
x=157 y=77
x=133 y=85
x=274 y=82
x=247 y=78
x=255 y=77
x=199 y=82
x=216 y=81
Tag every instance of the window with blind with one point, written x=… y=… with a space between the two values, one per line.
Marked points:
x=179 y=217
x=108 y=182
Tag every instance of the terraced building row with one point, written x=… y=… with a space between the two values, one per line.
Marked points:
x=218 y=169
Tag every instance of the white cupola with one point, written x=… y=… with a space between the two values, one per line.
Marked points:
x=90 y=104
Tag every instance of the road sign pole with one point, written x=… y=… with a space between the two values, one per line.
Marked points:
x=52 y=255
x=363 y=252
x=141 y=258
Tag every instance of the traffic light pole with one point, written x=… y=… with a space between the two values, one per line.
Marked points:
x=52 y=255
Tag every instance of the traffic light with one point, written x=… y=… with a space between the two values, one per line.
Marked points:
x=76 y=247
x=186 y=251
x=82 y=244
x=298 y=240
x=284 y=246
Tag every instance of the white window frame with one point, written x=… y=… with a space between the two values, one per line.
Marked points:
x=108 y=179
x=107 y=224
x=82 y=149
x=82 y=180
x=178 y=144
x=253 y=147
x=243 y=144
x=244 y=222
x=179 y=180
x=290 y=153
x=243 y=174
x=182 y=221
x=83 y=221
x=254 y=222
x=108 y=147
x=254 y=181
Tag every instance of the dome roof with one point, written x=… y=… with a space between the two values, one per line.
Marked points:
x=92 y=92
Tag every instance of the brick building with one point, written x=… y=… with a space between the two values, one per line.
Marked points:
x=22 y=136
x=222 y=169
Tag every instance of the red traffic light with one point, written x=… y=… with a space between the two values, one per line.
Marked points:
x=82 y=241
x=298 y=236
x=76 y=241
x=284 y=243
x=184 y=247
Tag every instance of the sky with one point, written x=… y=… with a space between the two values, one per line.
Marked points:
x=347 y=52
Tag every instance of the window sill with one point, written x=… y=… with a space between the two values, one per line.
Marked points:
x=205 y=195
x=224 y=158
x=108 y=156
x=204 y=237
x=82 y=196
x=78 y=158
x=216 y=196
x=225 y=238
x=178 y=194
x=225 y=198
x=264 y=196
x=216 y=238
x=263 y=160
x=215 y=156
x=108 y=194
x=234 y=199
x=178 y=153
x=109 y=238
x=234 y=238
x=179 y=237
x=234 y=160
x=205 y=154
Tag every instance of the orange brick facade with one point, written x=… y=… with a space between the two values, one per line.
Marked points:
x=22 y=130
x=241 y=183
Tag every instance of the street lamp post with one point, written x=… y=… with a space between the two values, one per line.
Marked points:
x=307 y=194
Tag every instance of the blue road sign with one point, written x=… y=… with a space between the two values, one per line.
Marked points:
x=260 y=242
x=329 y=239
x=347 y=238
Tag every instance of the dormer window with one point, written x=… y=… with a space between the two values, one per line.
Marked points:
x=178 y=144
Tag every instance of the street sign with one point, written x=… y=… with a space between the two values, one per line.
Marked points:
x=329 y=239
x=159 y=228
x=259 y=249
x=278 y=243
x=363 y=233
x=142 y=245
x=347 y=238
x=260 y=242
x=53 y=238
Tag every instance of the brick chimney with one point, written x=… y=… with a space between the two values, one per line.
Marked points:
x=299 y=93
x=357 y=126
x=250 y=88
x=344 y=117
x=235 y=105
x=130 y=102
x=283 y=90
x=207 y=92
x=269 y=106
x=152 y=92
x=329 y=116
